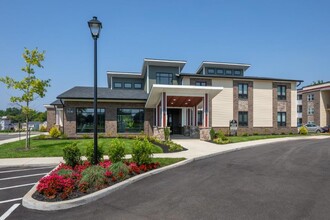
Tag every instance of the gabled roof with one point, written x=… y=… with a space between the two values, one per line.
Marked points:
x=80 y=92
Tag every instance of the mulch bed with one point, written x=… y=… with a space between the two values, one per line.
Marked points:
x=165 y=148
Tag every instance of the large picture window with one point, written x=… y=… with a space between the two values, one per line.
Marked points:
x=85 y=120
x=164 y=78
x=130 y=120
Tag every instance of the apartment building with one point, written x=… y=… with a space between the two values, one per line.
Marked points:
x=162 y=95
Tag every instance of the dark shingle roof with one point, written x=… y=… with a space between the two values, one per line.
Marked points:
x=80 y=92
x=56 y=102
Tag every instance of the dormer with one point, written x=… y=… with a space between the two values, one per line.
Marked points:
x=222 y=69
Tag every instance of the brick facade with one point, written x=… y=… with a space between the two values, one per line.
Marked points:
x=51 y=120
x=311 y=104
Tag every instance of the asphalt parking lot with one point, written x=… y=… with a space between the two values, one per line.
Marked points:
x=15 y=182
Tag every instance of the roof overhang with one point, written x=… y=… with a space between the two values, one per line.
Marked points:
x=180 y=90
x=209 y=64
x=124 y=74
x=160 y=62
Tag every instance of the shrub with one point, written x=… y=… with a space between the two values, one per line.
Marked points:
x=54 y=132
x=167 y=133
x=86 y=136
x=43 y=128
x=221 y=141
x=245 y=134
x=93 y=177
x=42 y=137
x=117 y=150
x=220 y=134
x=90 y=153
x=142 y=152
x=72 y=155
x=101 y=135
x=65 y=172
x=173 y=146
x=64 y=136
x=255 y=133
x=52 y=185
x=212 y=134
x=303 y=130
x=119 y=170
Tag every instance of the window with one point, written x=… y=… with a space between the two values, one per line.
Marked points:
x=243 y=119
x=201 y=83
x=137 y=85
x=299 y=97
x=211 y=71
x=310 y=111
x=243 y=90
x=299 y=108
x=164 y=78
x=281 y=119
x=281 y=92
x=85 y=120
x=220 y=71
x=228 y=72
x=310 y=97
x=130 y=120
x=117 y=85
x=127 y=85
x=237 y=72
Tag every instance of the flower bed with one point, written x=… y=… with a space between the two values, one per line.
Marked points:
x=66 y=182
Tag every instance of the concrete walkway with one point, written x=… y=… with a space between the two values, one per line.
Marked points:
x=196 y=148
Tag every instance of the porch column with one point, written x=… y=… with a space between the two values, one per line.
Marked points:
x=188 y=117
x=195 y=116
x=206 y=110
x=164 y=109
x=157 y=115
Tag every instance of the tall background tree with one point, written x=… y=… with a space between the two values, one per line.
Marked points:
x=30 y=86
x=317 y=82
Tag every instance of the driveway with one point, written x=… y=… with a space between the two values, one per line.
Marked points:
x=286 y=180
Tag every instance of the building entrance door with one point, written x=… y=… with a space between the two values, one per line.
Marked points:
x=174 y=120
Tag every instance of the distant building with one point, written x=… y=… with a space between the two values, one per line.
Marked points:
x=313 y=104
x=5 y=124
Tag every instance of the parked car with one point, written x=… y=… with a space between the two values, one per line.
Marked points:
x=326 y=129
x=313 y=128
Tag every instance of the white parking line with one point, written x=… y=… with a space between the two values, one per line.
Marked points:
x=10 y=200
x=9 y=211
x=38 y=168
x=17 y=177
x=11 y=187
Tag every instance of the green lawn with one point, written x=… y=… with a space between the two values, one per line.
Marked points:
x=54 y=148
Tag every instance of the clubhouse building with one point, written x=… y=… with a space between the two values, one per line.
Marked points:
x=162 y=95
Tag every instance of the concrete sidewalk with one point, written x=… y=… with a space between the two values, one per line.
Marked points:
x=196 y=148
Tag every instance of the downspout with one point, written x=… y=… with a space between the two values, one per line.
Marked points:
x=62 y=115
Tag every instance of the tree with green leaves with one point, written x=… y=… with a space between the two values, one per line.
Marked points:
x=30 y=86
x=317 y=82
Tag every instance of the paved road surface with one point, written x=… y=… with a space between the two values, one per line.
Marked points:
x=287 y=180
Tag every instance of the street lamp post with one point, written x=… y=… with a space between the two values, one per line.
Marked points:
x=95 y=28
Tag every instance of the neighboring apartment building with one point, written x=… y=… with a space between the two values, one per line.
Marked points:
x=314 y=104
x=161 y=95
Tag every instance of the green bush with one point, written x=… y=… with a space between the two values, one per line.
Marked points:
x=221 y=141
x=173 y=146
x=167 y=132
x=245 y=134
x=86 y=136
x=65 y=172
x=142 y=152
x=212 y=133
x=117 y=150
x=64 y=136
x=72 y=155
x=43 y=128
x=42 y=137
x=54 y=132
x=94 y=176
x=303 y=130
x=255 y=133
x=119 y=170
x=90 y=153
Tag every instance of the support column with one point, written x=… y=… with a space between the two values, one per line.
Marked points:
x=206 y=110
x=195 y=115
x=164 y=110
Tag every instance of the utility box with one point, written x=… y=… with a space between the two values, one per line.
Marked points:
x=233 y=127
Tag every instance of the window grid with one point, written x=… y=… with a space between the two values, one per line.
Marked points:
x=281 y=92
x=164 y=78
x=243 y=119
x=281 y=119
x=200 y=83
x=310 y=97
x=243 y=90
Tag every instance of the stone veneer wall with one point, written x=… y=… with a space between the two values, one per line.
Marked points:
x=306 y=104
x=282 y=105
x=110 y=117
x=50 y=118
x=243 y=105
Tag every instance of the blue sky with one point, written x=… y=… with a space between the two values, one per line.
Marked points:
x=286 y=39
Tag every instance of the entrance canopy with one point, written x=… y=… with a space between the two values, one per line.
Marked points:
x=180 y=95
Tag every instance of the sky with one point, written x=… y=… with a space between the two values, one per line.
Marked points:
x=283 y=39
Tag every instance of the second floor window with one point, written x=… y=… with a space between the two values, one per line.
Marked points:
x=281 y=92
x=299 y=108
x=127 y=85
x=164 y=78
x=117 y=85
x=243 y=90
x=201 y=83
x=281 y=119
x=310 y=111
x=310 y=97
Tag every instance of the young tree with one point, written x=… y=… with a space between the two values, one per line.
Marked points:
x=30 y=86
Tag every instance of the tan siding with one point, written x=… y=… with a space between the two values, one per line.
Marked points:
x=262 y=104
x=222 y=104
x=293 y=105
x=324 y=102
